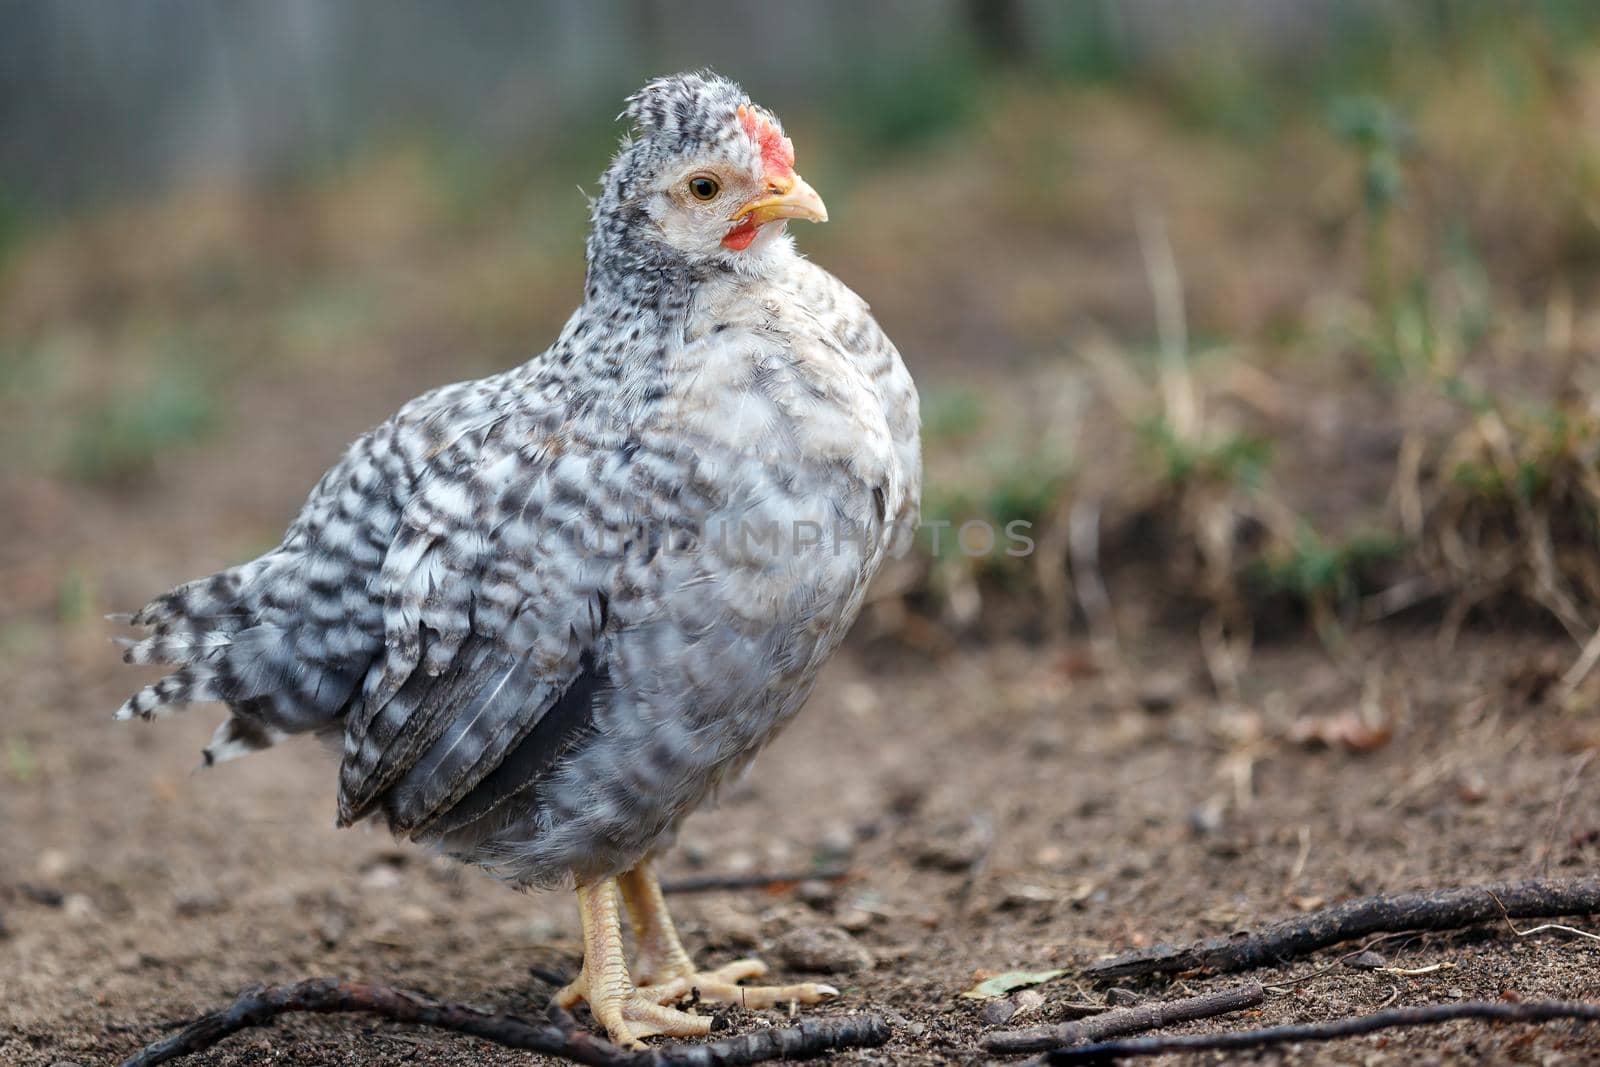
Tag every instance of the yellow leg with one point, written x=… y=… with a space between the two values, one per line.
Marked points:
x=616 y=1003
x=667 y=974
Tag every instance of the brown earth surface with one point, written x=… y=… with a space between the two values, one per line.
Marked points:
x=998 y=807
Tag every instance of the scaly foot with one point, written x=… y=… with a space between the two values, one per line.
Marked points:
x=665 y=972
x=721 y=986
x=630 y=1014
x=626 y=1012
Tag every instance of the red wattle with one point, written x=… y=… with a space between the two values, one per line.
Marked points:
x=740 y=236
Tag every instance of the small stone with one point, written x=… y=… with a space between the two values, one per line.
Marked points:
x=695 y=851
x=860 y=700
x=52 y=864
x=1048 y=739
x=906 y=799
x=1134 y=866
x=1122 y=998
x=39 y=894
x=446 y=872
x=837 y=843
x=823 y=950
x=780 y=854
x=80 y=908
x=190 y=902
x=1367 y=961
x=1229 y=848
x=1160 y=693
x=815 y=893
x=1471 y=788
x=1022 y=894
x=331 y=929
x=382 y=876
x=1207 y=819
x=538 y=930
x=998 y=1012
x=414 y=915
x=955 y=846
x=855 y=920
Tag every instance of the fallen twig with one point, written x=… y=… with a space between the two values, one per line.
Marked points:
x=1417 y=972
x=1126 y=1021
x=1428 y=1015
x=1542 y=927
x=1440 y=909
x=712 y=883
x=1288 y=984
x=560 y=1036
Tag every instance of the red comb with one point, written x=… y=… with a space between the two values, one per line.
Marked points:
x=777 y=151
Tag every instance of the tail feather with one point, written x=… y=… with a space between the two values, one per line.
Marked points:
x=239 y=737
x=175 y=648
x=244 y=637
x=193 y=604
x=187 y=686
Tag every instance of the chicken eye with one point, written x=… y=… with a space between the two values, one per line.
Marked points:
x=704 y=188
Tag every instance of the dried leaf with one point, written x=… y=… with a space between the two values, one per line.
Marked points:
x=1000 y=984
x=1347 y=730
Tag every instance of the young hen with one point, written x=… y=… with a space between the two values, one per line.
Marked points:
x=545 y=613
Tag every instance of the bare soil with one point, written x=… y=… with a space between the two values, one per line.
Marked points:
x=1000 y=807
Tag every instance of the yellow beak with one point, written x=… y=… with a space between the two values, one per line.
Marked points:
x=789 y=197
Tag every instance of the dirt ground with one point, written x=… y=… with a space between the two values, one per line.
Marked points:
x=997 y=807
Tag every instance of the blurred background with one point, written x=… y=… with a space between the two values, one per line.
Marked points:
x=1291 y=296
x=1277 y=321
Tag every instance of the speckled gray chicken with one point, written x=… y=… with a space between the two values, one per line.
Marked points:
x=544 y=614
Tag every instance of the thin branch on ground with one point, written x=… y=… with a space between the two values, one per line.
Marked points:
x=1439 y=909
x=1558 y=928
x=1126 y=1021
x=1543 y=927
x=1428 y=1015
x=1418 y=972
x=1288 y=985
x=713 y=883
x=560 y=1036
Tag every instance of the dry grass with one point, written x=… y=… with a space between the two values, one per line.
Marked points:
x=1333 y=371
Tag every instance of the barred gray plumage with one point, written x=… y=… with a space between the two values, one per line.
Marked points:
x=545 y=613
